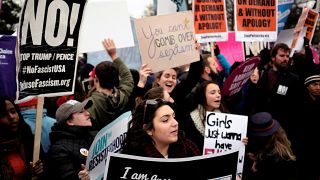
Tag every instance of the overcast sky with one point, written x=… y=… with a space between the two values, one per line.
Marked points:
x=135 y=7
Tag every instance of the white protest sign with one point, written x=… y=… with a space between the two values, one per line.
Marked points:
x=224 y=132
x=286 y=36
x=109 y=139
x=105 y=19
x=167 y=41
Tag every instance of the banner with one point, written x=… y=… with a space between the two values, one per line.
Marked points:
x=210 y=21
x=109 y=139
x=220 y=166
x=239 y=76
x=8 y=86
x=256 y=20
x=224 y=132
x=48 y=40
x=167 y=41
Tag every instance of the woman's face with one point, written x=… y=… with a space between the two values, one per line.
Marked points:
x=165 y=127
x=168 y=80
x=213 y=97
x=10 y=122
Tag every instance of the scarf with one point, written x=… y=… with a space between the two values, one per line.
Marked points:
x=198 y=117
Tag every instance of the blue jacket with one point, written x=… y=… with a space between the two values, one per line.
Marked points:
x=29 y=117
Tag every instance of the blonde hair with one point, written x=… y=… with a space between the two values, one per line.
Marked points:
x=280 y=145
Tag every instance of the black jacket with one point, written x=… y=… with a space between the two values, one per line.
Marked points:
x=64 y=157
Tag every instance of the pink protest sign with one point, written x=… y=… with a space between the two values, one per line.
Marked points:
x=239 y=76
x=232 y=49
x=315 y=55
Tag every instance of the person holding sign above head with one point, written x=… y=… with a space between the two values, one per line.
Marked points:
x=71 y=138
x=16 y=144
x=113 y=83
x=268 y=154
x=154 y=132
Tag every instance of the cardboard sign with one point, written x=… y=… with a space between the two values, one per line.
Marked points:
x=167 y=41
x=109 y=139
x=239 y=76
x=256 y=20
x=210 y=21
x=221 y=166
x=224 y=132
x=48 y=40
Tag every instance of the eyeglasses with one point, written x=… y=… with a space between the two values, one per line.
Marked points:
x=150 y=106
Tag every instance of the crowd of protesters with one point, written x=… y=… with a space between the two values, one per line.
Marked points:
x=281 y=100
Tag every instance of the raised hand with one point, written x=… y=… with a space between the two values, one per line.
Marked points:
x=110 y=47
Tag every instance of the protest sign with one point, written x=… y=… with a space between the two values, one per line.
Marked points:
x=239 y=76
x=108 y=139
x=220 y=166
x=129 y=55
x=48 y=40
x=253 y=48
x=256 y=20
x=315 y=55
x=287 y=36
x=231 y=49
x=298 y=29
x=310 y=23
x=284 y=9
x=224 y=132
x=105 y=19
x=167 y=41
x=210 y=21
x=8 y=86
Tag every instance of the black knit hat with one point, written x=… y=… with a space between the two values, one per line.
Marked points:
x=313 y=76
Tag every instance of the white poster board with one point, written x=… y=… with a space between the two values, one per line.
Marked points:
x=224 y=132
x=105 y=19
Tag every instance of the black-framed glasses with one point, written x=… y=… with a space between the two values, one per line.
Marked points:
x=150 y=106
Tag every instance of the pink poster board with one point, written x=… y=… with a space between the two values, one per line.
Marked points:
x=231 y=49
x=239 y=76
